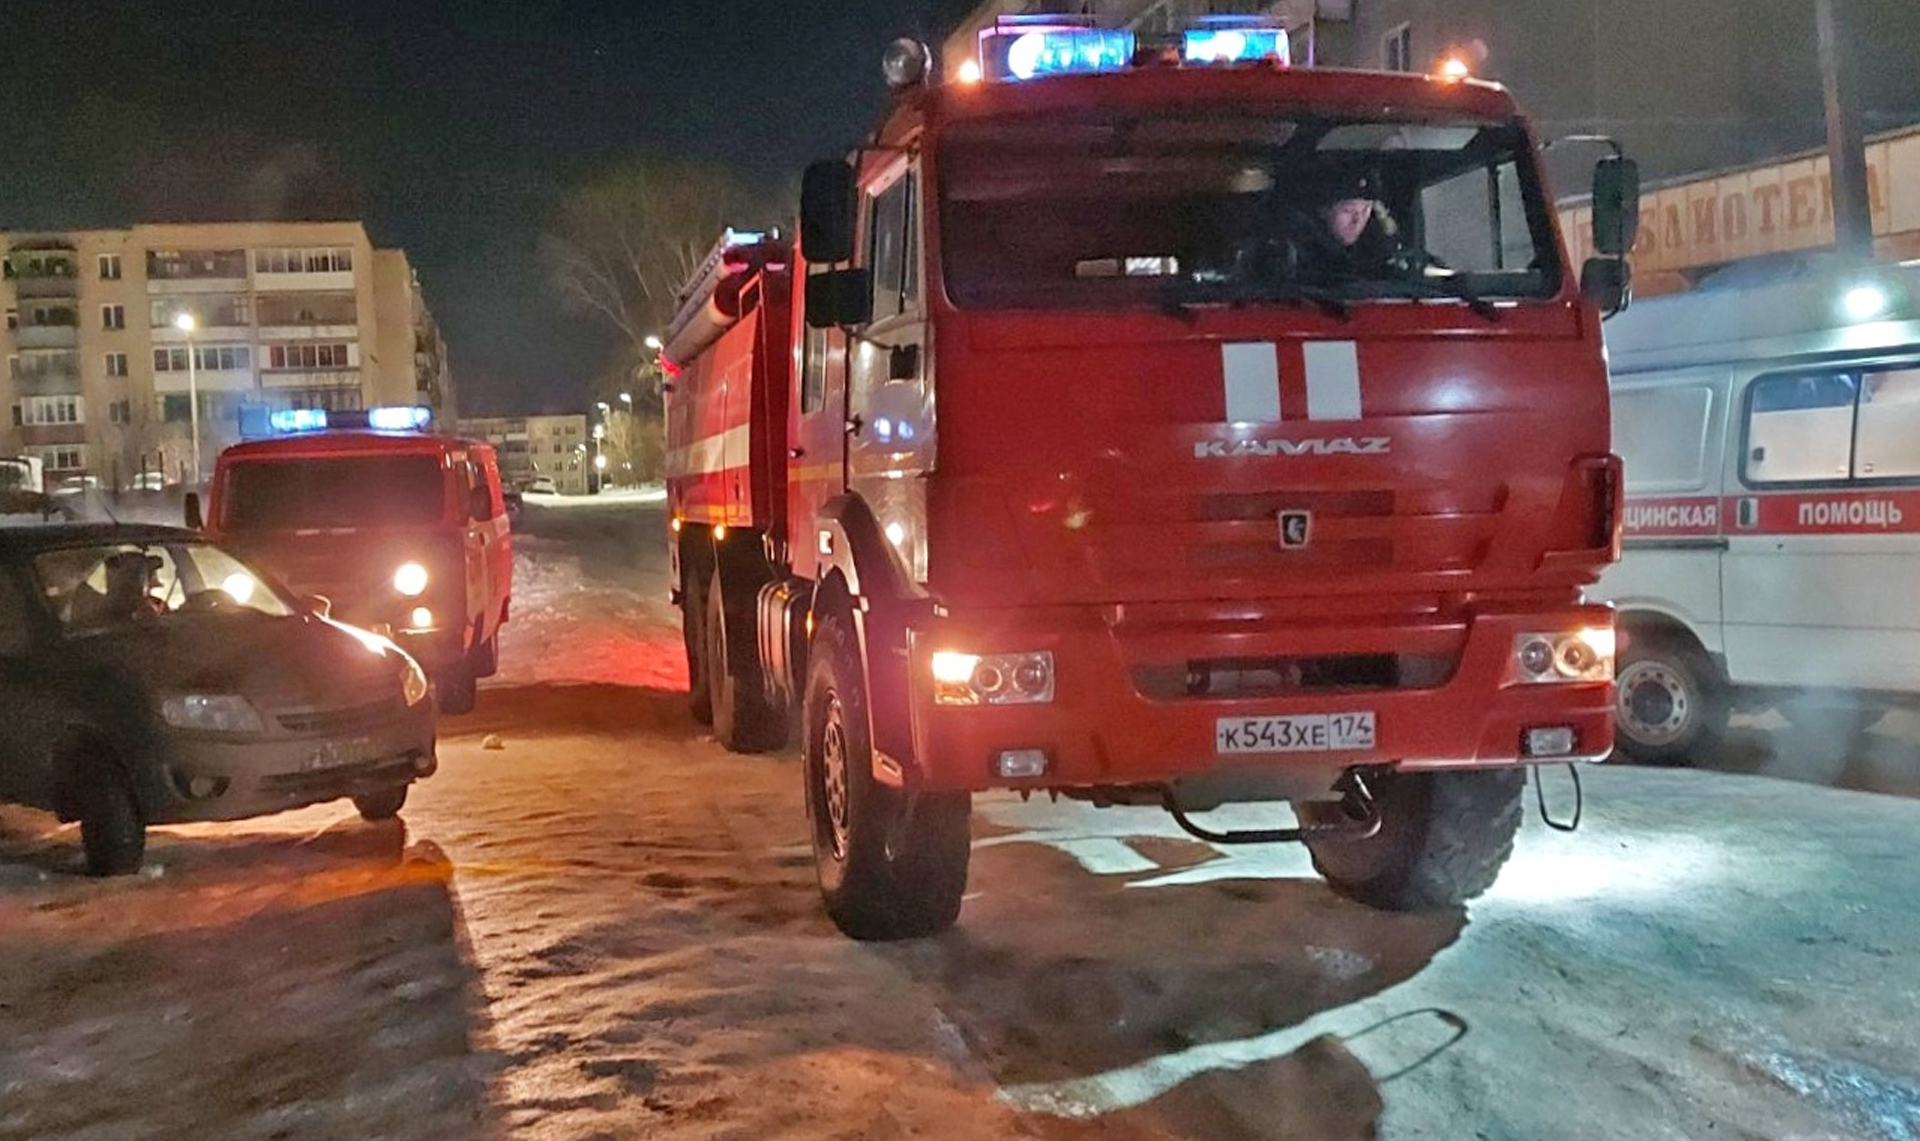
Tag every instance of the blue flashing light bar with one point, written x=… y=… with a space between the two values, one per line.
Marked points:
x=1020 y=53
x=409 y=418
x=1235 y=45
x=298 y=420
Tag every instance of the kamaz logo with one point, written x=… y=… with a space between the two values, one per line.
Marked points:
x=1329 y=446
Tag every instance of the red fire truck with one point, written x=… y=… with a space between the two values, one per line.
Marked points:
x=1063 y=455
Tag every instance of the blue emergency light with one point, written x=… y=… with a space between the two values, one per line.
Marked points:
x=392 y=418
x=407 y=418
x=1235 y=45
x=298 y=420
x=1018 y=52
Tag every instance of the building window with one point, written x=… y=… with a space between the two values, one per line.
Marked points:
x=120 y=412
x=1396 y=49
x=109 y=267
x=309 y=356
x=303 y=261
x=116 y=364
x=175 y=409
x=62 y=457
x=13 y=318
x=207 y=358
x=46 y=411
x=186 y=265
x=331 y=399
x=209 y=311
x=53 y=315
x=113 y=316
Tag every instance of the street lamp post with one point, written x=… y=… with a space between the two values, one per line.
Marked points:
x=186 y=324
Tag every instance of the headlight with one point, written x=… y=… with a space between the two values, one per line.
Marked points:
x=211 y=713
x=1577 y=655
x=410 y=580
x=992 y=679
x=413 y=683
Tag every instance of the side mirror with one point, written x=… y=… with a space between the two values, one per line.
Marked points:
x=827 y=199
x=479 y=504
x=1608 y=283
x=839 y=297
x=1616 y=205
x=319 y=604
x=195 y=521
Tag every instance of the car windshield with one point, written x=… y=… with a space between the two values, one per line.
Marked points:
x=1104 y=208
x=329 y=493
x=114 y=585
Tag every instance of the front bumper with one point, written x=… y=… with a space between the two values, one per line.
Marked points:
x=215 y=777
x=1102 y=730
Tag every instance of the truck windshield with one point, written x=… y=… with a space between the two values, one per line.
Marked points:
x=321 y=493
x=1105 y=208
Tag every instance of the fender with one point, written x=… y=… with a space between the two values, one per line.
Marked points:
x=884 y=602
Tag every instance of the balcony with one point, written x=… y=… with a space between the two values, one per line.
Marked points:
x=46 y=337
x=50 y=381
x=310 y=378
x=43 y=434
x=46 y=285
x=177 y=383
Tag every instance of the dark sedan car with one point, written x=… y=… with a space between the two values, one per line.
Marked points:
x=149 y=677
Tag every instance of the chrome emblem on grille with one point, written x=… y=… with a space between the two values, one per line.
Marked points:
x=1296 y=529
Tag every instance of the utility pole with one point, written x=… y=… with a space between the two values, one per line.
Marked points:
x=1846 y=139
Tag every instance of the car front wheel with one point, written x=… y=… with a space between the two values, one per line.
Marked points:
x=383 y=805
x=112 y=831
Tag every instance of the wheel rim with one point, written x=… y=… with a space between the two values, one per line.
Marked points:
x=833 y=777
x=1656 y=703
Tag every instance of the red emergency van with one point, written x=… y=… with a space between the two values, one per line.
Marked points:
x=401 y=531
x=1050 y=461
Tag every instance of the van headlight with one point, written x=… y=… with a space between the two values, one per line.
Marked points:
x=1566 y=656
x=211 y=713
x=992 y=679
x=410 y=580
x=413 y=682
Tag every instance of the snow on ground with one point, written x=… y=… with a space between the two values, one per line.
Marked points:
x=595 y=924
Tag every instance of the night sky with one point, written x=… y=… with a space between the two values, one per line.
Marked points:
x=450 y=127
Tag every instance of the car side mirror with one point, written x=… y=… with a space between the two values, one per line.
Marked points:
x=1616 y=205
x=480 y=504
x=1608 y=283
x=195 y=521
x=839 y=298
x=827 y=199
x=319 y=605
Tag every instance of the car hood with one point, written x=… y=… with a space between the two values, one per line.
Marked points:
x=278 y=663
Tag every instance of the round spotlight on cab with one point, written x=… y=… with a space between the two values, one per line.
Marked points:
x=906 y=63
x=1865 y=302
x=410 y=580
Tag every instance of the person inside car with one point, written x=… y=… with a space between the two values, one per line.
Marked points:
x=1341 y=231
x=131 y=579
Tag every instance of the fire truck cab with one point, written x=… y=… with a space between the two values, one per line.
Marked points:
x=1071 y=452
x=399 y=530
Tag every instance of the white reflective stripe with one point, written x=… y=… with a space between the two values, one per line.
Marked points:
x=1253 y=382
x=1333 y=380
x=711 y=454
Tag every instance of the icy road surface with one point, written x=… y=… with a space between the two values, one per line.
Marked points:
x=595 y=924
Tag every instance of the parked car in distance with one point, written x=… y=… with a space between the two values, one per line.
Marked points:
x=148 y=481
x=150 y=677
x=542 y=485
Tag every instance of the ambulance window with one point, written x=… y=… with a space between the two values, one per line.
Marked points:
x=1800 y=428
x=888 y=251
x=1887 y=439
x=1663 y=434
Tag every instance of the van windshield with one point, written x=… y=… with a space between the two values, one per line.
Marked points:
x=332 y=492
x=1105 y=207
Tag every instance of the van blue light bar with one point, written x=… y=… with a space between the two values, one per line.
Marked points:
x=1019 y=53
x=298 y=420
x=410 y=418
x=1235 y=45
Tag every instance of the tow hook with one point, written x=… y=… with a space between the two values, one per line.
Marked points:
x=1540 y=797
x=1362 y=818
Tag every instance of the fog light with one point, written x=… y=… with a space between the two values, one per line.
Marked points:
x=1021 y=764
x=422 y=618
x=1552 y=741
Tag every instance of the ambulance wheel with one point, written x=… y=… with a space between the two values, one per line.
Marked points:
x=455 y=690
x=693 y=632
x=1670 y=707
x=882 y=875
x=1442 y=841
x=744 y=721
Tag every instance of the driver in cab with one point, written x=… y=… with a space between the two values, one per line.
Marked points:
x=1341 y=231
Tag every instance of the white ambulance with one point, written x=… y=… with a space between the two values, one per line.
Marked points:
x=1771 y=431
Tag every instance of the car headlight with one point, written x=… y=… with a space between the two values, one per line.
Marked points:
x=992 y=679
x=1573 y=655
x=410 y=580
x=211 y=713
x=413 y=682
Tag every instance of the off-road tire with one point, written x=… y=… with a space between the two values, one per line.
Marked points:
x=693 y=633
x=1443 y=839
x=455 y=690
x=1671 y=708
x=880 y=878
x=744 y=721
x=112 y=830
x=383 y=805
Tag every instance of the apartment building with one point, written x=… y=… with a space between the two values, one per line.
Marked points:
x=284 y=315
x=559 y=447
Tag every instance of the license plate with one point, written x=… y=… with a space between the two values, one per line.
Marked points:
x=1318 y=733
x=335 y=754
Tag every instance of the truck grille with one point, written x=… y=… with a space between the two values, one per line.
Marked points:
x=1234 y=678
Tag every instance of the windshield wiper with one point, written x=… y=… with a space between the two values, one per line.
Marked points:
x=1436 y=289
x=1180 y=300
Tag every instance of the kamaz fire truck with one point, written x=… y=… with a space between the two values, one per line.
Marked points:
x=1046 y=462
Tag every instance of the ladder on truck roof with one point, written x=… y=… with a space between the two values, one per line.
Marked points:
x=705 y=307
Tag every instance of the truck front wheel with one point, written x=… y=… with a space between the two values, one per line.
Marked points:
x=1443 y=838
x=889 y=868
